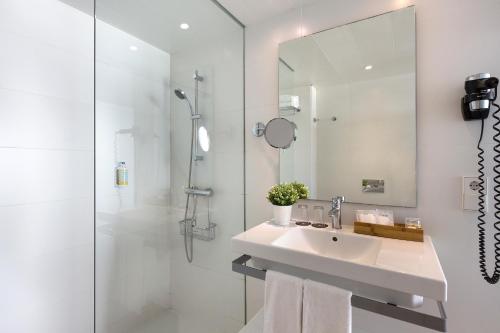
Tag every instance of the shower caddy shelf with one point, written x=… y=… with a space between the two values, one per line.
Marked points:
x=384 y=309
x=201 y=233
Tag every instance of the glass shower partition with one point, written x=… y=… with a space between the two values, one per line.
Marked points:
x=143 y=280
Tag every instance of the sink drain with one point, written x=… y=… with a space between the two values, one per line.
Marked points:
x=303 y=223
x=320 y=225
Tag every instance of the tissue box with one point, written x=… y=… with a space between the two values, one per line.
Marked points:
x=376 y=216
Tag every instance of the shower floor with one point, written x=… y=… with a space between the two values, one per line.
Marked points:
x=172 y=322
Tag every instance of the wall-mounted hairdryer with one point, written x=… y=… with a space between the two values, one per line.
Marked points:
x=481 y=91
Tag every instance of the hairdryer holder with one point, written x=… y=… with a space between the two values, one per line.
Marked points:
x=469 y=114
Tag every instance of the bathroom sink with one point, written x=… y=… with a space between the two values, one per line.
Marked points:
x=330 y=243
x=394 y=271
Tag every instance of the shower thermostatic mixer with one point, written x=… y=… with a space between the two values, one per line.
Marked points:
x=204 y=233
x=202 y=192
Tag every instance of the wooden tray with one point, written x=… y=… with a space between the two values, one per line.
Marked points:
x=398 y=231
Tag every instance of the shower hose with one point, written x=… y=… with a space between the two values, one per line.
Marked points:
x=188 y=224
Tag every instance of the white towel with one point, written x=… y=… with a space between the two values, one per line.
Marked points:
x=288 y=100
x=283 y=303
x=327 y=309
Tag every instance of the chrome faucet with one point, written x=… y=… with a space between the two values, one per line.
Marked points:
x=336 y=212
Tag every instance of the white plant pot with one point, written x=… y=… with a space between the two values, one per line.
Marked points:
x=282 y=214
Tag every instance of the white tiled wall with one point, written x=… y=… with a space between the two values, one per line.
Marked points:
x=46 y=163
x=447 y=51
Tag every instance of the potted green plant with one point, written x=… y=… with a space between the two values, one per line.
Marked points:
x=282 y=197
x=302 y=190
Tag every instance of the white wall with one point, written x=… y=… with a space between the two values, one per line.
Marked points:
x=447 y=51
x=46 y=163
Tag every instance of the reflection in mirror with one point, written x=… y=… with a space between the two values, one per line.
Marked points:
x=203 y=139
x=280 y=133
x=355 y=89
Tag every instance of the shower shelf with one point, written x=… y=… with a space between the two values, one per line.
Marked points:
x=202 y=233
x=288 y=110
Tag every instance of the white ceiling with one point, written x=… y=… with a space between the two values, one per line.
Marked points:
x=157 y=21
x=339 y=55
x=251 y=11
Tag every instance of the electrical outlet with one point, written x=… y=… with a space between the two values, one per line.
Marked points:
x=470 y=193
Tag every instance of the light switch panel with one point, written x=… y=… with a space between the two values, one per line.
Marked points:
x=470 y=193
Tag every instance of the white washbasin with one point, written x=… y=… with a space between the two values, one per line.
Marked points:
x=395 y=271
x=332 y=244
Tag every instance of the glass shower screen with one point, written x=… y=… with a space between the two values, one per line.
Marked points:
x=169 y=166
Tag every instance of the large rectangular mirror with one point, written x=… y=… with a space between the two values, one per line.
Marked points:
x=350 y=91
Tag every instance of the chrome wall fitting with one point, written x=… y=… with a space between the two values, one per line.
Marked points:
x=258 y=129
x=278 y=132
x=197 y=76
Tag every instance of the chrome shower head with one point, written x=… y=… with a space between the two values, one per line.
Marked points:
x=182 y=95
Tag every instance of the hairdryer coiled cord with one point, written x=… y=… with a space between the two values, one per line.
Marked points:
x=495 y=277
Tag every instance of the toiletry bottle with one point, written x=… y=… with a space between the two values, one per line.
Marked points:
x=121 y=174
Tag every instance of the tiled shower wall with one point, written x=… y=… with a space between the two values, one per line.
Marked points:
x=46 y=159
x=46 y=163
x=206 y=290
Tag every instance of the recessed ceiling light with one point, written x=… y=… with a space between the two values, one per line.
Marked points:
x=133 y=48
x=184 y=26
x=368 y=67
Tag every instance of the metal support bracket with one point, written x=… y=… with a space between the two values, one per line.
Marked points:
x=384 y=309
x=258 y=129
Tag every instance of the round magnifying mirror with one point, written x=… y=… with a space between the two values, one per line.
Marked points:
x=280 y=133
x=203 y=139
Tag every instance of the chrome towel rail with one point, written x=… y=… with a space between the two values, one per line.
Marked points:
x=384 y=309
